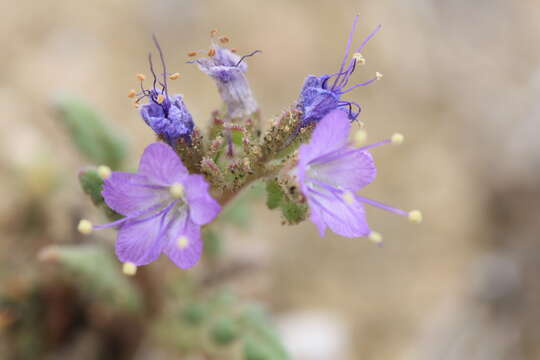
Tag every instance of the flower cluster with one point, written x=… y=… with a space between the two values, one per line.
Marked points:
x=182 y=184
x=322 y=94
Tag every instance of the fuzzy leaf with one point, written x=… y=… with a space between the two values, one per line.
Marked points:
x=224 y=331
x=274 y=194
x=97 y=274
x=294 y=213
x=89 y=132
x=91 y=184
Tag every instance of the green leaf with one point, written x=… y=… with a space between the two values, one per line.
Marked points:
x=90 y=133
x=224 y=331
x=194 y=314
x=97 y=274
x=294 y=213
x=237 y=137
x=254 y=350
x=91 y=184
x=274 y=194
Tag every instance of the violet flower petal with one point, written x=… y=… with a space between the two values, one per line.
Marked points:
x=140 y=242
x=128 y=193
x=345 y=219
x=162 y=165
x=203 y=208
x=184 y=245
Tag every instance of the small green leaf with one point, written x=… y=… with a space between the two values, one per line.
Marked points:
x=294 y=213
x=254 y=350
x=224 y=331
x=91 y=184
x=237 y=137
x=97 y=273
x=194 y=314
x=274 y=194
x=90 y=133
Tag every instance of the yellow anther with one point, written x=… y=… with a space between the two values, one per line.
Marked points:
x=85 y=227
x=160 y=99
x=375 y=237
x=132 y=93
x=213 y=32
x=129 y=268
x=177 y=190
x=348 y=197
x=378 y=75
x=360 y=60
x=397 y=139
x=360 y=138
x=224 y=39
x=182 y=242
x=415 y=216
x=234 y=51
x=140 y=77
x=104 y=171
x=174 y=76
x=212 y=52
x=192 y=53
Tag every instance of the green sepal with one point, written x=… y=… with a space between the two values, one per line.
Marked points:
x=293 y=212
x=91 y=184
x=237 y=137
x=274 y=194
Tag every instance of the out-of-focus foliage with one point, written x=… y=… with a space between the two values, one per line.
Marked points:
x=90 y=133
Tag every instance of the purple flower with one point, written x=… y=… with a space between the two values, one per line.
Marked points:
x=166 y=115
x=322 y=94
x=330 y=172
x=164 y=208
x=229 y=72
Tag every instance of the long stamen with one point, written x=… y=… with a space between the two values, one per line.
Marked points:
x=153 y=73
x=382 y=206
x=162 y=64
x=246 y=56
x=86 y=227
x=347 y=75
x=371 y=81
x=347 y=50
x=373 y=33
x=349 y=198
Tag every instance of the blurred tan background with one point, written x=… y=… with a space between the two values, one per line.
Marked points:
x=461 y=81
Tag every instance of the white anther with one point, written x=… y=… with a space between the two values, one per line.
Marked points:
x=360 y=60
x=375 y=237
x=177 y=190
x=378 y=75
x=182 y=242
x=104 y=171
x=85 y=227
x=415 y=216
x=360 y=138
x=129 y=268
x=397 y=139
x=348 y=197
